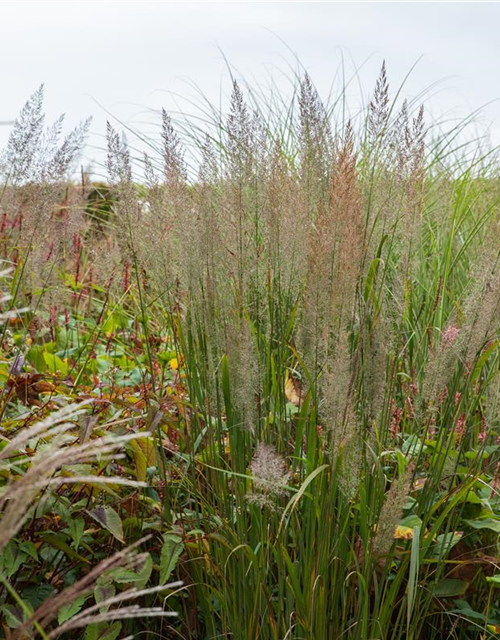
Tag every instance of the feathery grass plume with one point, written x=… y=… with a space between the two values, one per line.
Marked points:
x=391 y=513
x=285 y=220
x=35 y=154
x=118 y=157
x=240 y=140
x=127 y=211
x=332 y=280
x=153 y=249
x=379 y=109
x=411 y=223
x=348 y=225
x=244 y=368
x=375 y=353
x=346 y=449
x=336 y=386
x=34 y=171
x=314 y=327
x=169 y=247
x=315 y=146
x=131 y=220
x=24 y=142
x=213 y=266
x=383 y=166
x=270 y=477
x=481 y=304
x=398 y=140
x=242 y=199
x=174 y=166
x=335 y=257
x=441 y=364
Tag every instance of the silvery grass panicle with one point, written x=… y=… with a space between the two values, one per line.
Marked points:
x=244 y=369
x=391 y=513
x=315 y=145
x=379 y=109
x=270 y=477
x=34 y=154
x=34 y=170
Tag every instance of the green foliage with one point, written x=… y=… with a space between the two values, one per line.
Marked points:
x=281 y=379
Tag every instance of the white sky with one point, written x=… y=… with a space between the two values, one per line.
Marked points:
x=130 y=57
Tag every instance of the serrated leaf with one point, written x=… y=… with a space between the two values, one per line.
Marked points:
x=108 y=518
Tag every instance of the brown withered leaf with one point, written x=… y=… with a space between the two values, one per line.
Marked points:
x=27 y=387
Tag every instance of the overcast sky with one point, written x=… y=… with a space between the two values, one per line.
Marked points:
x=129 y=57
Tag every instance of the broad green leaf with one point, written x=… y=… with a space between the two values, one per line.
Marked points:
x=139 y=575
x=495 y=580
x=104 y=590
x=170 y=553
x=449 y=588
x=108 y=518
x=29 y=548
x=103 y=631
x=11 y=559
x=76 y=528
x=445 y=542
x=70 y=610
x=485 y=523
x=466 y=611
x=14 y=614
x=57 y=541
x=55 y=364
x=36 y=594
x=411 y=521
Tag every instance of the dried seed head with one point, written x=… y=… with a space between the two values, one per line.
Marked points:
x=270 y=476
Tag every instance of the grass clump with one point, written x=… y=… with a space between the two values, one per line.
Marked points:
x=277 y=370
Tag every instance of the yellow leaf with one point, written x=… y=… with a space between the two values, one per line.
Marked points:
x=403 y=533
x=292 y=390
x=144 y=456
x=494 y=629
x=174 y=363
